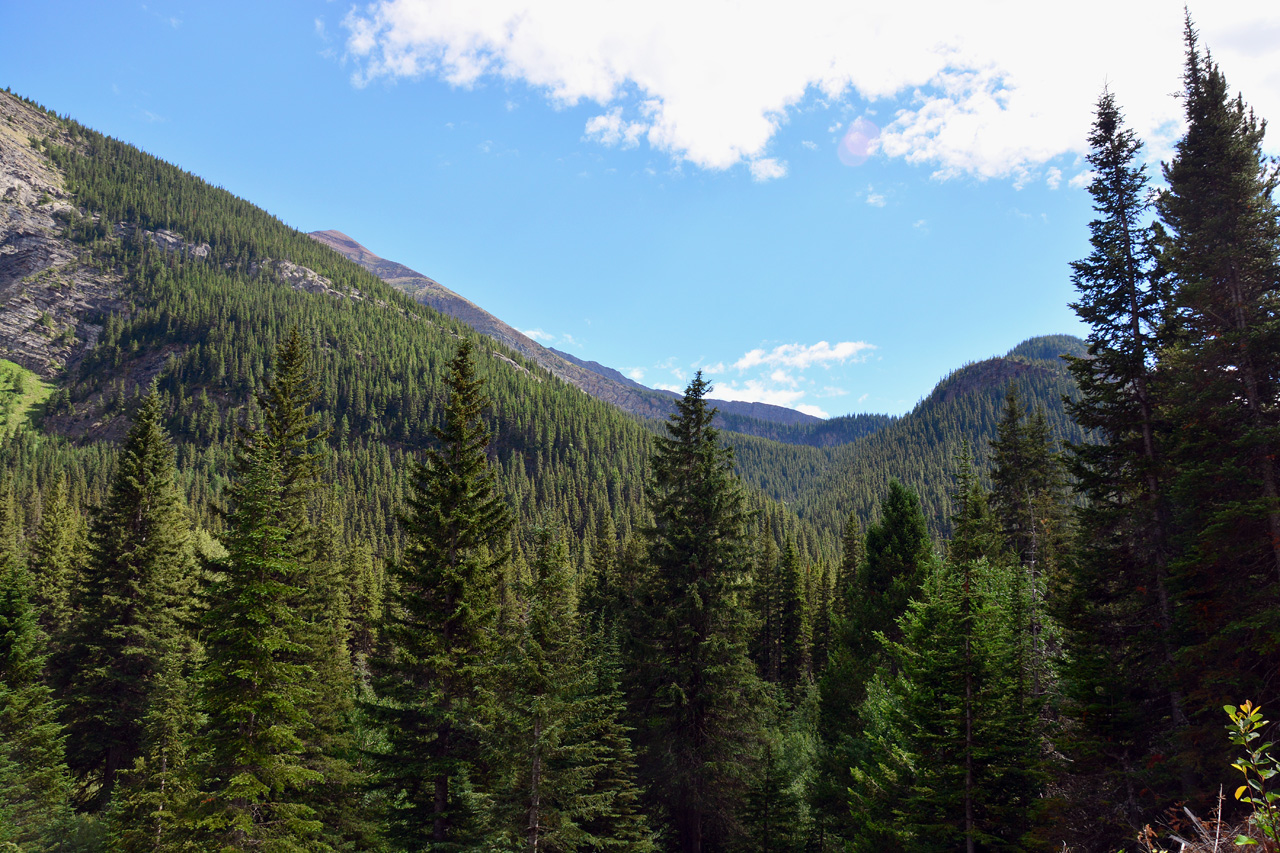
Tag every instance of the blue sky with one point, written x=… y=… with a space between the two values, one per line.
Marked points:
x=660 y=186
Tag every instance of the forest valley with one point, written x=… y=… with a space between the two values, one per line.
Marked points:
x=290 y=562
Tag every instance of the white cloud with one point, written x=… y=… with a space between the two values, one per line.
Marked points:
x=875 y=199
x=782 y=377
x=538 y=334
x=965 y=88
x=1053 y=177
x=801 y=357
x=756 y=391
x=832 y=391
x=1081 y=180
x=767 y=169
x=810 y=144
x=635 y=373
x=611 y=129
x=813 y=410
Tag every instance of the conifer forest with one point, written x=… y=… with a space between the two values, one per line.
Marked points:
x=313 y=567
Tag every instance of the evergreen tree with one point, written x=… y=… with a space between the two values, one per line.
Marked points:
x=897 y=549
x=694 y=691
x=34 y=787
x=966 y=748
x=155 y=798
x=440 y=630
x=1119 y=675
x=1222 y=363
x=129 y=610
x=1029 y=498
x=252 y=687
x=793 y=624
x=557 y=777
x=55 y=557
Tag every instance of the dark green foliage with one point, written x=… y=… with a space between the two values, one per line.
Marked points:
x=1222 y=361
x=560 y=771
x=1118 y=677
x=694 y=692
x=154 y=799
x=441 y=626
x=885 y=581
x=1028 y=498
x=255 y=692
x=128 y=610
x=34 y=787
x=954 y=741
x=55 y=556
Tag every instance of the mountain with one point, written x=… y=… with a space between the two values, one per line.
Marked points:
x=823 y=485
x=119 y=271
x=603 y=383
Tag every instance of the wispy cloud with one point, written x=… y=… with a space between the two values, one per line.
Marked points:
x=538 y=335
x=802 y=357
x=768 y=169
x=972 y=88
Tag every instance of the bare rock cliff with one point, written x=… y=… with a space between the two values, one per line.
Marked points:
x=51 y=300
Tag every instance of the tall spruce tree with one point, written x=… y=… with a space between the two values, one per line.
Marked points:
x=1119 y=676
x=34 y=787
x=441 y=626
x=1028 y=496
x=897 y=550
x=55 y=554
x=694 y=692
x=289 y=429
x=253 y=687
x=955 y=740
x=1222 y=363
x=129 y=610
x=558 y=779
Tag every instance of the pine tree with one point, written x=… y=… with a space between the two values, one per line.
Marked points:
x=55 y=556
x=694 y=691
x=793 y=624
x=254 y=691
x=886 y=579
x=34 y=786
x=1119 y=675
x=1222 y=363
x=441 y=627
x=290 y=430
x=1029 y=498
x=966 y=745
x=129 y=610
x=558 y=780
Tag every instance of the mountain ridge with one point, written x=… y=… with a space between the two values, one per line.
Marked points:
x=602 y=382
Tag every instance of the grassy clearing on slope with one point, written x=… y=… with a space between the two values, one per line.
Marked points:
x=21 y=395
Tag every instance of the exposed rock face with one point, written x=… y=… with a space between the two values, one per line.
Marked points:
x=50 y=302
x=599 y=381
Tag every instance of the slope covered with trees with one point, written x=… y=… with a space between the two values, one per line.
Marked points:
x=356 y=579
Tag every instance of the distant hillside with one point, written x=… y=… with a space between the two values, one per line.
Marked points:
x=824 y=484
x=603 y=383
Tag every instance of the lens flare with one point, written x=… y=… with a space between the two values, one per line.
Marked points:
x=860 y=141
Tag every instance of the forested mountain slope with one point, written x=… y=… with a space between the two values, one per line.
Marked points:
x=599 y=381
x=120 y=270
x=920 y=449
x=125 y=270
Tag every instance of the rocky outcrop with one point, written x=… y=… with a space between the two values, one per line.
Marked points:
x=51 y=302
